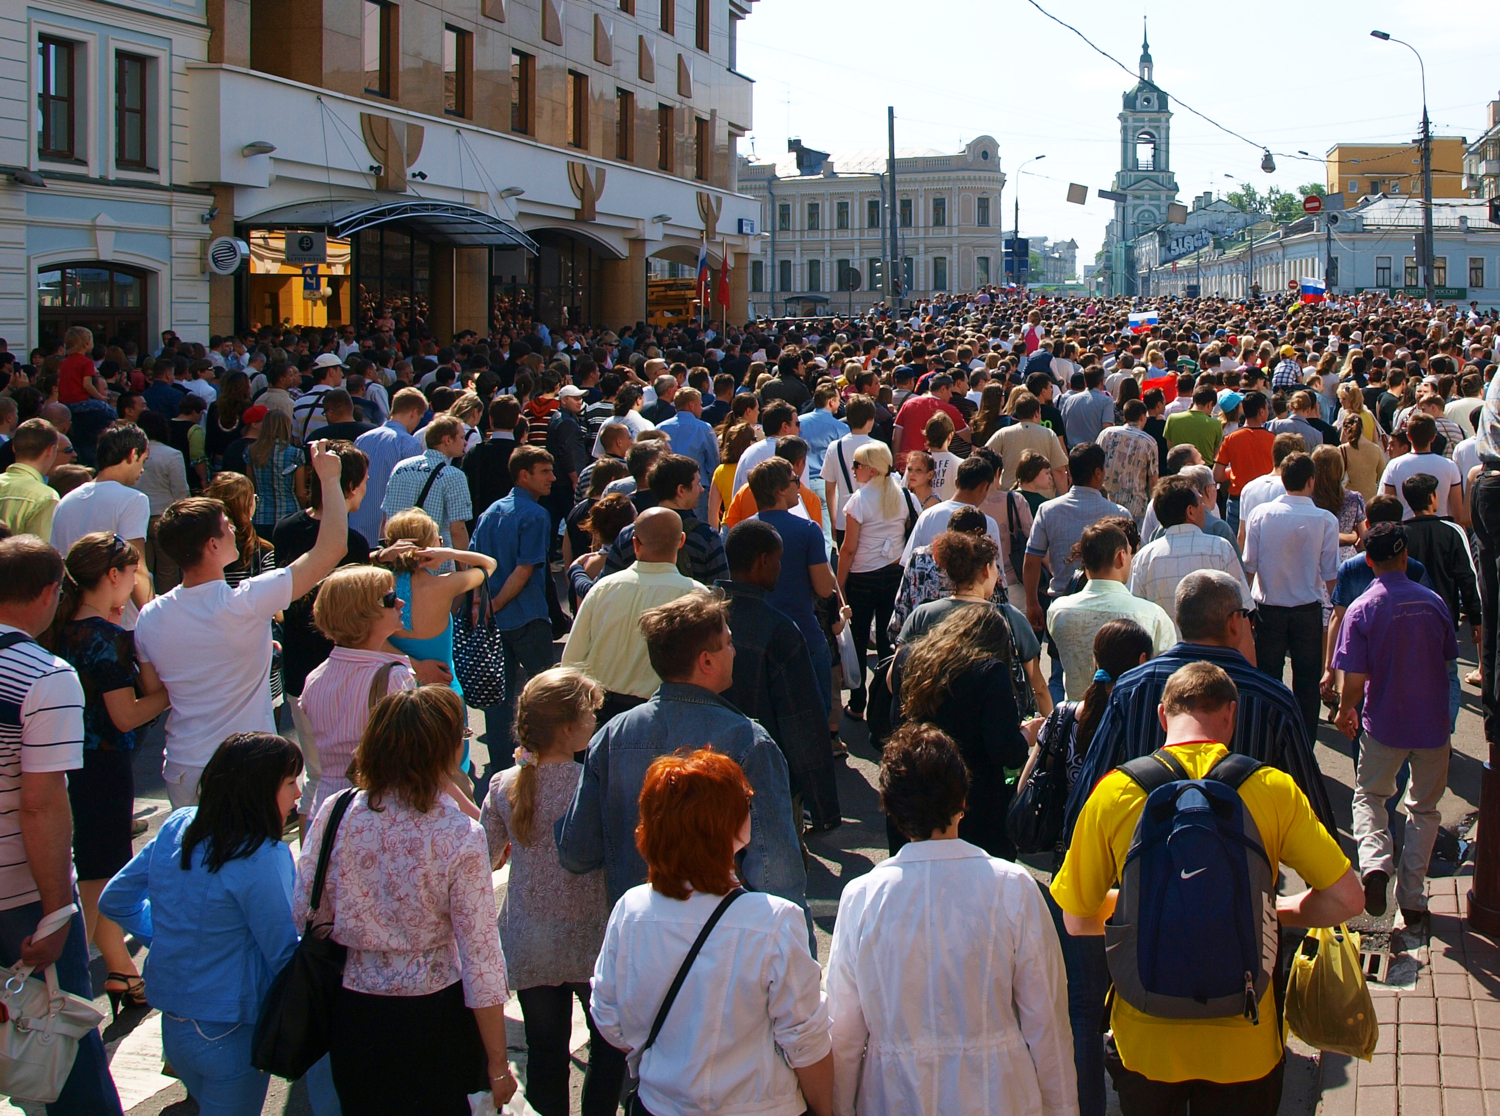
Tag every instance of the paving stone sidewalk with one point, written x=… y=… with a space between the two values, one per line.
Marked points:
x=1439 y=1051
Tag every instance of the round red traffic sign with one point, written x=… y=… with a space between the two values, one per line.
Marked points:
x=1291 y=284
x=1312 y=204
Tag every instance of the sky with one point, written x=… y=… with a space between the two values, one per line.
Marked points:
x=825 y=70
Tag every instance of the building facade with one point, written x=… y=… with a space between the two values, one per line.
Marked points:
x=1482 y=158
x=825 y=216
x=1368 y=247
x=460 y=158
x=1145 y=176
x=1359 y=169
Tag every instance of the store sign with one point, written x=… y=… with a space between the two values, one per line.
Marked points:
x=1447 y=294
x=306 y=247
x=1183 y=243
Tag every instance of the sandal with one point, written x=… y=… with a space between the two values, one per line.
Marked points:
x=1475 y=677
x=133 y=995
x=839 y=747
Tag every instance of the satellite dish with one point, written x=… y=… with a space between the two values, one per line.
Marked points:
x=227 y=254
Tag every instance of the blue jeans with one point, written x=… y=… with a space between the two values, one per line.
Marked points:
x=90 y=1090
x=1088 y=983
x=1232 y=513
x=90 y=419
x=528 y=652
x=1455 y=694
x=213 y=1061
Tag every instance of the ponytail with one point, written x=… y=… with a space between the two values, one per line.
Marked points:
x=69 y=598
x=88 y=561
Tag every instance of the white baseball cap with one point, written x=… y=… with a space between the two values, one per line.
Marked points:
x=328 y=360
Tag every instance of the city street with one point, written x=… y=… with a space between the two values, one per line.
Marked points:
x=844 y=854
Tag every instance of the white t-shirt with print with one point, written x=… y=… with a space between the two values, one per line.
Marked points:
x=945 y=474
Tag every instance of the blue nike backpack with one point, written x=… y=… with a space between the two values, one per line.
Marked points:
x=1194 y=934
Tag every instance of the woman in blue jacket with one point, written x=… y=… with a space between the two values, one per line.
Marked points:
x=212 y=897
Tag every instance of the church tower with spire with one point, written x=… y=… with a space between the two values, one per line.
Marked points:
x=1145 y=174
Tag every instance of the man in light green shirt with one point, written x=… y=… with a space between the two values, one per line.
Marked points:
x=606 y=640
x=1197 y=426
x=26 y=500
x=1073 y=621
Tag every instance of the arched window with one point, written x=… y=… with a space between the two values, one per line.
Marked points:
x=1145 y=151
x=108 y=299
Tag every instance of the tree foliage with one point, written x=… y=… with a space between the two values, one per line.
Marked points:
x=1279 y=205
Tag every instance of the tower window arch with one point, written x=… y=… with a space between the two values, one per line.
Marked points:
x=1145 y=150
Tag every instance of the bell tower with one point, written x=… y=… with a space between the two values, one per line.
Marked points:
x=1145 y=173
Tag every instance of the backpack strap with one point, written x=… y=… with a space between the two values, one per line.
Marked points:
x=838 y=449
x=1156 y=770
x=1233 y=770
x=10 y=639
x=426 y=488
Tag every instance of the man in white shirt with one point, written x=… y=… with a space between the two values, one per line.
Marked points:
x=111 y=503
x=838 y=461
x=1262 y=490
x=1159 y=566
x=1422 y=430
x=210 y=644
x=779 y=420
x=1292 y=552
x=308 y=416
x=975 y=476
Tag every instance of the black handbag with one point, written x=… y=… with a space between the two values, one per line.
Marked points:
x=297 y=1018
x=633 y=1106
x=479 y=651
x=1035 y=818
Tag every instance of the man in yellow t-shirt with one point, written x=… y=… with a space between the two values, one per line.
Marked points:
x=1229 y=1066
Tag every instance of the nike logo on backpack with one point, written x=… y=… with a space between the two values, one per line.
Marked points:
x=1189 y=875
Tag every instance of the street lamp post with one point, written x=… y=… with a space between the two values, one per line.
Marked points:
x=1427 y=246
x=1015 y=244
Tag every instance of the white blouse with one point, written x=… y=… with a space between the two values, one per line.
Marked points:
x=947 y=990
x=749 y=1010
x=880 y=539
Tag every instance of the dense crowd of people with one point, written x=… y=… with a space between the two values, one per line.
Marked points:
x=299 y=557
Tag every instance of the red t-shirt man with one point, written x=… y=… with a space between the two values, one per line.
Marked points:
x=1246 y=454
x=912 y=419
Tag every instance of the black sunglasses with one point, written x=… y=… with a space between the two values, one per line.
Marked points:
x=390 y=600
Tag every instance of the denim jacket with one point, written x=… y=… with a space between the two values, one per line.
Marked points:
x=598 y=829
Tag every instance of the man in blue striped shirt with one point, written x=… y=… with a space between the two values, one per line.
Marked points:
x=1211 y=618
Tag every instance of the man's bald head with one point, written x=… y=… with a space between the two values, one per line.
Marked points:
x=615 y=438
x=654 y=368
x=658 y=535
x=58 y=415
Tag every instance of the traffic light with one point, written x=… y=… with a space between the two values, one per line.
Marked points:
x=1419 y=250
x=877 y=275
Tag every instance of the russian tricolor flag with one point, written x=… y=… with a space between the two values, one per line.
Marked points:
x=1313 y=290
x=1142 y=321
x=703 y=279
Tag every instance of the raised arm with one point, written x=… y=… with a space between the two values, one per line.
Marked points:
x=333 y=529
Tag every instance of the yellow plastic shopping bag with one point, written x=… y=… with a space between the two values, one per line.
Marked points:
x=1327 y=1003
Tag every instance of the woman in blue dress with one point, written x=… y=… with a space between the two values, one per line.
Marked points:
x=427 y=614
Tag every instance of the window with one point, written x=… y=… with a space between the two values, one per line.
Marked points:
x=703 y=149
x=627 y=6
x=1145 y=151
x=814 y=216
x=939 y=212
x=1411 y=271
x=1353 y=186
x=815 y=275
x=578 y=109
x=458 y=61
x=981 y=270
x=908 y=273
x=522 y=92
x=785 y=275
x=669 y=16
x=842 y=269
x=702 y=25
x=625 y=125
x=379 y=33
x=757 y=275
x=1382 y=271
x=1439 y=271
x=905 y=213
x=982 y=212
x=1395 y=185
x=940 y=273
x=872 y=213
x=734 y=40
x=784 y=217
x=55 y=99
x=664 y=137
x=841 y=215
x=1476 y=271
x=132 y=143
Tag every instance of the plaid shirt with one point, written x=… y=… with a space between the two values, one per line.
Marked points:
x=1131 y=462
x=448 y=499
x=1288 y=374
x=1159 y=566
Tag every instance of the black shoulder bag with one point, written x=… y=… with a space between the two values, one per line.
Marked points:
x=426 y=488
x=297 y=1018
x=633 y=1106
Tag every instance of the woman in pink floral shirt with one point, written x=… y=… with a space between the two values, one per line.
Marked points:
x=420 y=1022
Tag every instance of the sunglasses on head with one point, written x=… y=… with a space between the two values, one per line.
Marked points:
x=390 y=600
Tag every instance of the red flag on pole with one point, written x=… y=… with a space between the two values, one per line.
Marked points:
x=722 y=298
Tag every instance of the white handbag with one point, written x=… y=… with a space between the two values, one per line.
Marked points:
x=39 y=1036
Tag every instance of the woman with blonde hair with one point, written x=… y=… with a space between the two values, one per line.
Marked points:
x=278 y=466
x=419 y=1022
x=869 y=573
x=358 y=609
x=467 y=408
x=551 y=921
x=1352 y=404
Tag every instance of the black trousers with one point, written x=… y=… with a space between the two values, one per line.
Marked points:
x=1484 y=508
x=871 y=596
x=614 y=705
x=1140 y=1096
x=548 y=1012
x=1296 y=631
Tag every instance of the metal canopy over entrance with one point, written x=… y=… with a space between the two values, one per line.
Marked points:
x=434 y=221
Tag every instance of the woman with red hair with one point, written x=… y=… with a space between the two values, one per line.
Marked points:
x=738 y=960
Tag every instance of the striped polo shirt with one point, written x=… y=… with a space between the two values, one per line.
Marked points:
x=41 y=730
